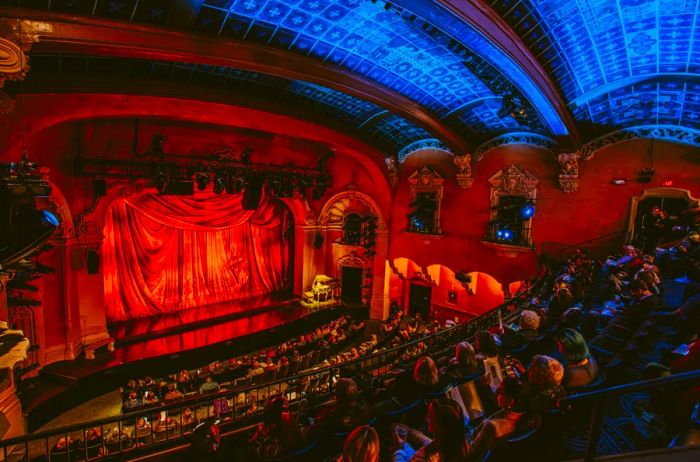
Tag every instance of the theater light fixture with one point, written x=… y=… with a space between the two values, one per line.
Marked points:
x=527 y=211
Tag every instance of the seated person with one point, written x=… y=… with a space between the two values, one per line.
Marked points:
x=426 y=377
x=133 y=401
x=185 y=382
x=348 y=411
x=486 y=344
x=65 y=449
x=93 y=442
x=445 y=421
x=209 y=386
x=117 y=440
x=645 y=302
x=545 y=376
x=173 y=393
x=510 y=419
x=361 y=445
x=464 y=363
x=150 y=397
x=581 y=368
x=529 y=330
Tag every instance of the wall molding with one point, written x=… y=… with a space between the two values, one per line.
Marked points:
x=531 y=139
x=670 y=133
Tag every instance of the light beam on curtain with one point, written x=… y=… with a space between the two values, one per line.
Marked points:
x=163 y=254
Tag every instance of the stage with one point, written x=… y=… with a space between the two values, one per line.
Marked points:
x=228 y=333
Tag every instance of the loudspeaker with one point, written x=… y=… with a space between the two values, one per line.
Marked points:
x=318 y=240
x=252 y=193
x=99 y=187
x=93 y=262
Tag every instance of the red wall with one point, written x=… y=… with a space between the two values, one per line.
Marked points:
x=597 y=209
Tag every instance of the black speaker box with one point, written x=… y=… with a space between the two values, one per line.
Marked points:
x=318 y=241
x=252 y=193
x=92 y=262
x=99 y=187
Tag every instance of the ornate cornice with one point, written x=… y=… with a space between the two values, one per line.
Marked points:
x=81 y=35
x=671 y=133
x=532 y=139
x=430 y=143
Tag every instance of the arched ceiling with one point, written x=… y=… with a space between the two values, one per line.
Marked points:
x=388 y=132
x=619 y=63
x=576 y=69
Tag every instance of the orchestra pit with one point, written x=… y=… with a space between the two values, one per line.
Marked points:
x=349 y=230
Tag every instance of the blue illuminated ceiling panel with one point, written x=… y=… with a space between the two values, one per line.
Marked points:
x=416 y=48
x=390 y=133
x=618 y=63
x=379 y=41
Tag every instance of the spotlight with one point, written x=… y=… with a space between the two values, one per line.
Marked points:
x=219 y=184
x=162 y=179
x=527 y=210
x=202 y=179
x=49 y=219
x=503 y=233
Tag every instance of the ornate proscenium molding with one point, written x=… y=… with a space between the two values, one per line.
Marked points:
x=464 y=170
x=671 y=133
x=568 y=176
x=430 y=143
x=392 y=164
x=14 y=64
x=532 y=139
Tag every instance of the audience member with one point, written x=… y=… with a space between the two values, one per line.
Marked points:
x=545 y=376
x=361 y=445
x=581 y=368
x=277 y=435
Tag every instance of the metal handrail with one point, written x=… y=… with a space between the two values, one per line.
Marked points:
x=598 y=396
x=640 y=385
x=379 y=362
x=579 y=244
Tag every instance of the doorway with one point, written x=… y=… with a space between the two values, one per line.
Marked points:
x=351 y=284
x=419 y=300
x=648 y=230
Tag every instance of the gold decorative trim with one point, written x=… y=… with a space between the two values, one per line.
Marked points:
x=14 y=63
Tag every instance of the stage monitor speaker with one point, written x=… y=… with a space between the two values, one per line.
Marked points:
x=93 y=262
x=99 y=187
x=180 y=188
x=318 y=241
x=252 y=193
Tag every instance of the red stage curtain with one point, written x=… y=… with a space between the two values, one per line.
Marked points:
x=163 y=254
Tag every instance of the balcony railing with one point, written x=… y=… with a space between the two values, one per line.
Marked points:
x=160 y=425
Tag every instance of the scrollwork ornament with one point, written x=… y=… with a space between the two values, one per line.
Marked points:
x=464 y=170
x=568 y=176
x=392 y=165
x=14 y=64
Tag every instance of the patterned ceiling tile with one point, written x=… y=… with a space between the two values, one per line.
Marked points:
x=618 y=63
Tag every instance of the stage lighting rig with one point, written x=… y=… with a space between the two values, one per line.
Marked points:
x=229 y=171
x=27 y=217
x=202 y=179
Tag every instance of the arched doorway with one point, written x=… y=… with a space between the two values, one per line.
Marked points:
x=658 y=216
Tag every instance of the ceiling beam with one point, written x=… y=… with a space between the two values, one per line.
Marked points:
x=482 y=18
x=60 y=33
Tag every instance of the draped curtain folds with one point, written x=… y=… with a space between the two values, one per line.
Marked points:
x=163 y=254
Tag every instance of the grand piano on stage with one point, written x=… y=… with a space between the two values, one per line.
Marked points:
x=325 y=291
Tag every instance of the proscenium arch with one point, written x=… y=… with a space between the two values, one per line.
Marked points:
x=44 y=111
x=62 y=33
